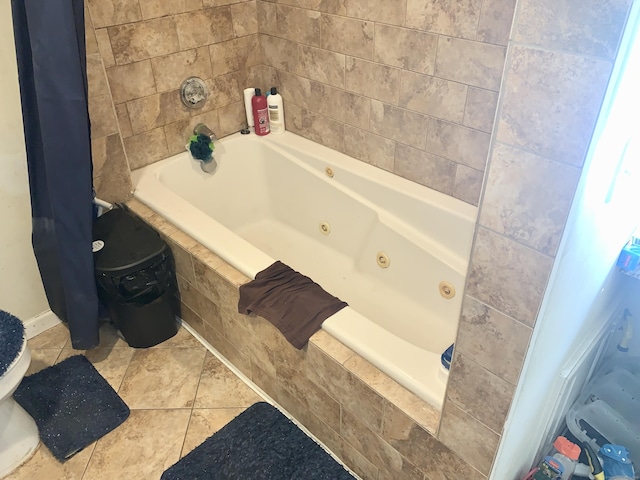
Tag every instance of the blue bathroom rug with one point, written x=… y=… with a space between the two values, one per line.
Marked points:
x=259 y=444
x=72 y=404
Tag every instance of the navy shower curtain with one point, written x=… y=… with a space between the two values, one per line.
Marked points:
x=50 y=47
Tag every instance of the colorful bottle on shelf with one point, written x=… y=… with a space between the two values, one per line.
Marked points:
x=567 y=453
x=260 y=113
x=550 y=469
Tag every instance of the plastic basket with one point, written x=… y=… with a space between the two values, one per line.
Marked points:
x=608 y=411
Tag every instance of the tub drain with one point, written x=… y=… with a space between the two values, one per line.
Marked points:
x=383 y=260
x=325 y=228
x=447 y=290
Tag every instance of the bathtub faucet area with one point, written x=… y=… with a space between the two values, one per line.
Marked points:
x=208 y=163
x=202 y=129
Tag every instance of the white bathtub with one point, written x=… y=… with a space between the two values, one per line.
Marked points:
x=271 y=198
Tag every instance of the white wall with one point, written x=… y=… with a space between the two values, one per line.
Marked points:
x=21 y=291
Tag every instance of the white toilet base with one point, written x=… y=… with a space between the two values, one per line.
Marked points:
x=18 y=436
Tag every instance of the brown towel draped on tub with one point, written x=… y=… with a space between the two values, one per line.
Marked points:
x=295 y=304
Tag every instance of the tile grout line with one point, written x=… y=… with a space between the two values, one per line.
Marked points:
x=186 y=431
x=95 y=444
x=86 y=467
x=193 y=405
x=233 y=370
x=125 y=372
x=246 y=380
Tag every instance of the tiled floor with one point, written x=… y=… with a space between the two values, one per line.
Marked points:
x=178 y=392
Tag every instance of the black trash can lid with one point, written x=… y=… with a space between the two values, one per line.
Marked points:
x=123 y=243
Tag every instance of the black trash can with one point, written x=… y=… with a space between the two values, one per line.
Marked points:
x=135 y=276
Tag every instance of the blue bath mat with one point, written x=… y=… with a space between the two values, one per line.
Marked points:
x=259 y=444
x=72 y=404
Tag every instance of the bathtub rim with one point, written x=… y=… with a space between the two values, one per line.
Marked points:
x=251 y=261
x=467 y=213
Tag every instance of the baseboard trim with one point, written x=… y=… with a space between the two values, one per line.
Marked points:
x=40 y=323
x=261 y=392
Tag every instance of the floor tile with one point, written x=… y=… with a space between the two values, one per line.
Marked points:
x=143 y=447
x=162 y=385
x=182 y=339
x=43 y=465
x=55 y=337
x=206 y=422
x=220 y=387
x=111 y=363
x=162 y=378
x=42 y=358
x=110 y=338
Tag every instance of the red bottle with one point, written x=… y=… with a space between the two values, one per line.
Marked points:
x=260 y=113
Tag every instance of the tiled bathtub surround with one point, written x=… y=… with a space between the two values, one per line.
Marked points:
x=557 y=68
x=378 y=428
x=409 y=86
x=371 y=79
x=139 y=52
x=111 y=176
x=535 y=159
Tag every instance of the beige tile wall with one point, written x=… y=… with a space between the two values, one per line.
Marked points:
x=377 y=427
x=110 y=168
x=409 y=86
x=413 y=93
x=139 y=52
x=557 y=70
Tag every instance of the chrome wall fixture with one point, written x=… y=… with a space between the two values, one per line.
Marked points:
x=194 y=92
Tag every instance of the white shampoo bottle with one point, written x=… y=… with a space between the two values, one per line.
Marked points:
x=276 y=112
x=248 y=95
